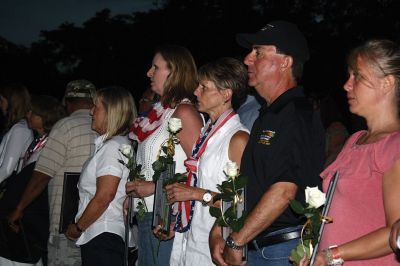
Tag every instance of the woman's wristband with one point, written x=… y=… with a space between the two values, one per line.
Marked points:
x=333 y=256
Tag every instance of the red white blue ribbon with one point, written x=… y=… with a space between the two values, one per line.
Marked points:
x=143 y=127
x=184 y=209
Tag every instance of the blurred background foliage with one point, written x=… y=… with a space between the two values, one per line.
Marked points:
x=117 y=49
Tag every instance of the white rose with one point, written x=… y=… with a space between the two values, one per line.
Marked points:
x=174 y=125
x=314 y=197
x=231 y=169
x=126 y=149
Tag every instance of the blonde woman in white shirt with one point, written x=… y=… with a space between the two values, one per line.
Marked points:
x=99 y=227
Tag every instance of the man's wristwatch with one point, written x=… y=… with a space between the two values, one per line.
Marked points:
x=207 y=197
x=230 y=243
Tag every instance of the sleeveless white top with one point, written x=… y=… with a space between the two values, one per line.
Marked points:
x=148 y=151
x=191 y=247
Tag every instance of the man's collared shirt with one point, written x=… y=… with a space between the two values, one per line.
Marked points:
x=286 y=145
x=70 y=143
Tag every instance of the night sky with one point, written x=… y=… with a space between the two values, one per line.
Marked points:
x=22 y=20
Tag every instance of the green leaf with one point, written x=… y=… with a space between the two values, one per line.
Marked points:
x=226 y=196
x=215 y=212
x=294 y=256
x=230 y=213
x=176 y=179
x=156 y=175
x=227 y=186
x=169 y=160
x=235 y=225
x=240 y=182
x=131 y=176
x=298 y=252
x=141 y=209
x=217 y=197
x=180 y=177
x=158 y=166
x=222 y=222
x=297 y=207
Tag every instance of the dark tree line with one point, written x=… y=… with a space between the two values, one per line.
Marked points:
x=117 y=49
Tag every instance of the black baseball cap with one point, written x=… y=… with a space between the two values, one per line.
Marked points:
x=286 y=36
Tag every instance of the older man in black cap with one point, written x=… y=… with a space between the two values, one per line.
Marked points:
x=70 y=143
x=285 y=152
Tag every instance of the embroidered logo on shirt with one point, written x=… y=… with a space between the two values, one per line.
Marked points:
x=266 y=136
x=268 y=26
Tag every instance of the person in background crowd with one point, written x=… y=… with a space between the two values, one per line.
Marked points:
x=69 y=145
x=173 y=78
x=149 y=98
x=222 y=139
x=45 y=112
x=336 y=132
x=249 y=109
x=99 y=227
x=2 y=123
x=284 y=154
x=14 y=104
x=369 y=164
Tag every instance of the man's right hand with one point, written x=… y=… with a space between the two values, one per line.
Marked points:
x=16 y=215
x=217 y=245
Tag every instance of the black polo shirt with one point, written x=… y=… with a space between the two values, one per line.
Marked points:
x=286 y=145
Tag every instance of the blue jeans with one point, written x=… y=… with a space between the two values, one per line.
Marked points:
x=274 y=255
x=148 y=244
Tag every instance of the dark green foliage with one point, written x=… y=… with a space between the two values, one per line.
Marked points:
x=117 y=49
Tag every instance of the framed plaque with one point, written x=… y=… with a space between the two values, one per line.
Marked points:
x=70 y=201
x=161 y=208
x=325 y=212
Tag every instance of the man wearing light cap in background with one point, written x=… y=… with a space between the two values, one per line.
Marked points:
x=70 y=143
x=285 y=152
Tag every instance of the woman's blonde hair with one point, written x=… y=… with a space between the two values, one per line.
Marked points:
x=182 y=80
x=19 y=102
x=120 y=109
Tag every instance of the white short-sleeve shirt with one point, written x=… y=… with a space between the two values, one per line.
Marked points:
x=105 y=161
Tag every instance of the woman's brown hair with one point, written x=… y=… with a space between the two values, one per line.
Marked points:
x=182 y=80
x=19 y=102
